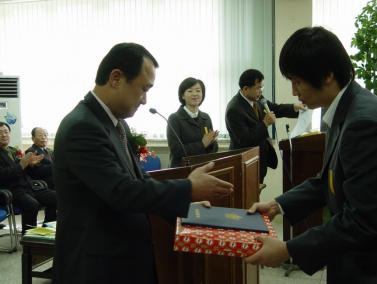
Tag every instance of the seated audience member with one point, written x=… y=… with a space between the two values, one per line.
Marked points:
x=15 y=176
x=192 y=126
x=43 y=170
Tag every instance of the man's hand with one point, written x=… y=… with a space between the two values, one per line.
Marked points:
x=34 y=159
x=206 y=187
x=205 y=203
x=299 y=106
x=271 y=208
x=269 y=118
x=272 y=253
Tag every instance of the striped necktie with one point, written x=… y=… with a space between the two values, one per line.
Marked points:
x=123 y=137
x=255 y=107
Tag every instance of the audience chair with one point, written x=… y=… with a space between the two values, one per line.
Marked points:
x=6 y=212
x=17 y=211
x=151 y=164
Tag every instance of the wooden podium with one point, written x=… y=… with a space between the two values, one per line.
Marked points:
x=240 y=168
x=308 y=153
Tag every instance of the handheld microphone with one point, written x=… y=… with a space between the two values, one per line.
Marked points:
x=154 y=111
x=265 y=105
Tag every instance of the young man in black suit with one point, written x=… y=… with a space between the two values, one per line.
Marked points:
x=15 y=173
x=43 y=170
x=322 y=75
x=247 y=122
x=99 y=180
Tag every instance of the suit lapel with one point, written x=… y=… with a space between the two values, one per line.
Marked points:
x=185 y=116
x=104 y=118
x=248 y=108
x=337 y=123
x=4 y=153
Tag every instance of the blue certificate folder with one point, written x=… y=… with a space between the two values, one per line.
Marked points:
x=227 y=218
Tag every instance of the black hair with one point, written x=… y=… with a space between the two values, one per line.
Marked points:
x=127 y=57
x=35 y=129
x=188 y=83
x=312 y=53
x=248 y=78
x=6 y=124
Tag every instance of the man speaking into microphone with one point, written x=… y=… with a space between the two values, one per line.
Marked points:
x=248 y=116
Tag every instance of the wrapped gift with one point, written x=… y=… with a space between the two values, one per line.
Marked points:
x=219 y=241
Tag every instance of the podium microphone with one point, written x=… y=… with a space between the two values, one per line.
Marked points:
x=154 y=111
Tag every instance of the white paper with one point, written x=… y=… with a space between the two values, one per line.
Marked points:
x=303 y=123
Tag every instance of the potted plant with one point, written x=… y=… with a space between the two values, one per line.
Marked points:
x=365 y=40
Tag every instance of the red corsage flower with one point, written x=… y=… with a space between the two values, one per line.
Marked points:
x=17 y=152
x=139 y=143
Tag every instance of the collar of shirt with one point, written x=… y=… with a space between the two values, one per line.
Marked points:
x=249 y=101
x=108 y=111
x=193 y=115
x=329 y=115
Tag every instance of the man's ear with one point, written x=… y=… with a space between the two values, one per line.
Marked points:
x=329 y=78
x=115 y=78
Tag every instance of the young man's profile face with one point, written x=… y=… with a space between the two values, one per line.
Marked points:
x=306 y=93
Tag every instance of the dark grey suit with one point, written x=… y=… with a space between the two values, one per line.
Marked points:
x=43 y=170
x=191 y=133
x=247 y=130
x=347 y=184
x=103 y=233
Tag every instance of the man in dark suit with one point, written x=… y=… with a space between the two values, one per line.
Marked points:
x=99 y=180
x=43 y=170
x=15 y=170
x=322 y=75
x=247 y=122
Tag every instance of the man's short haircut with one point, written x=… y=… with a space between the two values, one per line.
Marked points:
x=188 y=83
x=127 y=57
x=6 y=124
x=312 y=53
x=248 y=77
x=35 y=129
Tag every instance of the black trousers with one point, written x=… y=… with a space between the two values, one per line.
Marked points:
x=31 y=203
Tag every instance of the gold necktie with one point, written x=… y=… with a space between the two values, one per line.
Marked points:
x=255 y=107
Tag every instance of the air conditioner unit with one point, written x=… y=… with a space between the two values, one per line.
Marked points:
x=10 y=107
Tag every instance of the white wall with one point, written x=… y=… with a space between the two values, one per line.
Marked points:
x=290 y=15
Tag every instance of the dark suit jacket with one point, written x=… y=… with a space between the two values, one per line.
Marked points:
x=347 y=184
x=103 y=233
x=13 y=177
x=246 y=130
x=191 y=133
x=43 y=170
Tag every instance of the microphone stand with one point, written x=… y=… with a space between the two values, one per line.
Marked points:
x=290 y=266
x=153 y=111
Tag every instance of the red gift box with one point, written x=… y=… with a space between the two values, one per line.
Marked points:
x=224 y=242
